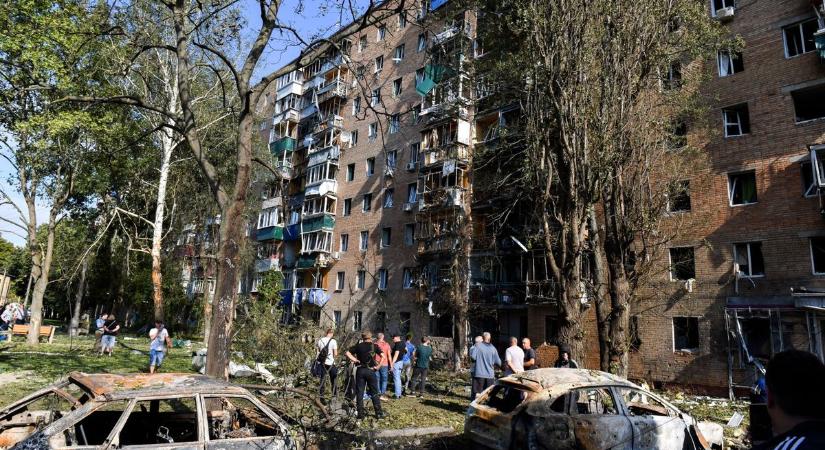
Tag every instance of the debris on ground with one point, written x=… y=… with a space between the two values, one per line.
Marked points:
x=733 y=413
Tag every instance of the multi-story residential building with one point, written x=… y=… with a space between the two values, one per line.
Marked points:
x=733 y=291
x=381 y=219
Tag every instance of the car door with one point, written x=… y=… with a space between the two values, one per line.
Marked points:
x=546 y=424
x=490 y=420
x=34 y=413
x=655 y=425
x=168 y=423
x=242 y=421
x=598 y=420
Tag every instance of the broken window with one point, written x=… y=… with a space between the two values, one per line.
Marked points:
x=361 y=279
x=159 y=422
x=756 y=332
x=237 y=418
x=685 y=333
x=678 y=198
x=347 y=210
x=551 y=329
x=818 y=255
x=809 y=103
x=736 y=120
x=641 y=404
x=742 y=188
x=504 y=398
x=748 y=256
x=380 y=321
x=362 y=43
x=720 y=4
x=809 y=185
x=678 y=134
x=730 y=62
x=409 y=234
x=404 y=322
x=593 y=401
x=682 y=263
x=96 y=427
x=382 y=279
x=799 y=38
x=386 y=236
x=388 y=197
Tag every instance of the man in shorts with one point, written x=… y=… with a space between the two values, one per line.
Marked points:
x=159 y=342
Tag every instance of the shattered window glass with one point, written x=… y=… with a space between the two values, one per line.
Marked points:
x=639 y=403
x=503 y=398
x=594 y=401
x=166 y=421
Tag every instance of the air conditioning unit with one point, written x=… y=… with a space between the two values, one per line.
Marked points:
x=725 y=14
x=411 y=165
x=408 y=207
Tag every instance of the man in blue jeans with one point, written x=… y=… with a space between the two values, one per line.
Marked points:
x=382 y=374
x=398 y=352
x=159 y=341
x=408 y=362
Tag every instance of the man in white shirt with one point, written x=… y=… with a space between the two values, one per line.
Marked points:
x=328 y=351
x=158 y=342
x=514 y=358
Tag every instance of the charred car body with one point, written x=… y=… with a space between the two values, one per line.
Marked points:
x=161 y=411
x=577 y=409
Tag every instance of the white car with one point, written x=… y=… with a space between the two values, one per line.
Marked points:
x=160 y=411
x=578 y=409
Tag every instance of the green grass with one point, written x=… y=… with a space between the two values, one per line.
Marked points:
x=38 y=366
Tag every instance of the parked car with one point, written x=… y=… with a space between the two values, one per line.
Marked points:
x=160 y=411
x=578 y=409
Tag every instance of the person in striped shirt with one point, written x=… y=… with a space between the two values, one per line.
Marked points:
x=796 y=401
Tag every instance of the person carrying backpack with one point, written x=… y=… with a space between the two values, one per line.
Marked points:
x=158 y=343
x=364 y=355
x=325 y=361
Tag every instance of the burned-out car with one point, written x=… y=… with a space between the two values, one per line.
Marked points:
x=577 y=409
x=160 y=411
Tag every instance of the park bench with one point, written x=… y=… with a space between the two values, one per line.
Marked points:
x=23 y=330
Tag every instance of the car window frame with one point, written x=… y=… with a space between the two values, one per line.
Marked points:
x=113 y=441
x=609 y=388
x=672 y=410
x=529 y=397
x=255 y=401
x=90 y=407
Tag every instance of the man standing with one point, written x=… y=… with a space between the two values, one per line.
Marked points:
x=423 y=353
x=476 y=342
x=158 y=343
x=795 y=399
x=111 y=328
x=513 y=358
x=565 y=361
x=327 y=352
x=99 y=323
x=363 y=355
x=383 y=371
x=399 y=351
x=485 y=359
x=529 y=355
x=408 y=362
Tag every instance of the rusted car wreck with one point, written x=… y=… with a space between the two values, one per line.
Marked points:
x=161 y=411
x=578 y=409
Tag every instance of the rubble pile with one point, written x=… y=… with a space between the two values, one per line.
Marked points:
x=732 y=414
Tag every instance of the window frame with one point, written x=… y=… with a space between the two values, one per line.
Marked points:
x=713 y=8
x=750 y=258
x=800 y=30
x=739 y=122
x=346 y=208
x=350 y=172
x=340 y=281
x=673 y=334
x=366 y=202
x=383 y=278
x=386 y=232
x=343 y=242
x=731 y=188
x=813 y=260
x=361 y=280
x=671 y=271
x=363 y=240
x=200 y=411
x=422 y=42
x=730 y=56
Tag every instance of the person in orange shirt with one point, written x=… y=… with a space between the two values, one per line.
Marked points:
x=382 y=374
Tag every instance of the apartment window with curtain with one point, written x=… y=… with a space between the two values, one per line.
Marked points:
x=395 y=123
x=730 y=62
x=365 y=239
x=409 y=234
x=383 y=274
x=344 y=244
x=389 y=193
x=736 y=120
x=748 y=256
x=412 y=192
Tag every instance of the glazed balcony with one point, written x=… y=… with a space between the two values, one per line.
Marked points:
x=270 y=233
x=282 y=145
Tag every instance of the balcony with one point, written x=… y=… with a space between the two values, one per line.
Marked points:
x=450 y=151
x=270 y=233
x=333 y=63
x=290 y=115
x=332 y=152
x=282 y=145
x=267 y=264
x=500 y=294
x=322 y=187
x=320 y=260
x=294 y=87
x=819 y=41
x=284 y=168
x=450 y=197
x=442 y=243
x=329 y=121
x=460 y=29
x=272 y=202
x=323 y=222
x=335 y=88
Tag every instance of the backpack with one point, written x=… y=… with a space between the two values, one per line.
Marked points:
x=323 y=353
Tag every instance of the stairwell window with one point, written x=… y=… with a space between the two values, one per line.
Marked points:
x=685 y=334
x=729 y=62
x=799 y=37
x=748 y=256
x=809 y=103
x=682 y=264
x=742 y=188
x=365 y=240
x=382 y=279
x=818 y=255
x=736 y=120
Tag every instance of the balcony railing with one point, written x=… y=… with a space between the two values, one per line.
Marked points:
x=444 y=197
x=267 y=264
x=453 y=150
x=290 y=115
x=325 y=221
x=462 y=29
x=270 y=233
x=284 y=144
x=330 y=121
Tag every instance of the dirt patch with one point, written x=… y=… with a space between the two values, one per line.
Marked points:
x=17 y=376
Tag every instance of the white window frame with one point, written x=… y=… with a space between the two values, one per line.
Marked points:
x=397 y=87
x=383 y=275
x=732 y=185
x=728 y=57
x=375 y=97
x=386 y=232
x=370 y=167
x=389 y=200
x=407 y=281
x=798 y=27
x=738 y=122
x=380 y=33
x=339 y=281
x=373 y=131
x=364 y=240
x=398 y=54
x=343 y=243
x=395 y=123
x=392 y=159
x=809 y=191
x=361 y=280
x=379 y=64
x=713 y=7
x=750 y=262
x=357 y=320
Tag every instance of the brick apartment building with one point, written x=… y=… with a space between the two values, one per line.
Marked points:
x=375 y=142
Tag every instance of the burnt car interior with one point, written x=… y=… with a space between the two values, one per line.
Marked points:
x=594 y=401
x=163 y=421
x=640 y=404
x=95 y=427
x=504 y=398
x=237 y=417
x=39 y=412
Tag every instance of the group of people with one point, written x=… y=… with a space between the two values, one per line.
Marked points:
x=485 y=358
x=372 y=363
x=107 y=329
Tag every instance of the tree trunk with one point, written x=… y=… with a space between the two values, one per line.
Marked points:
x=600 y=287
x=207 y=314
x=28 y=289
x=619 y=319
x=40 y=285
x=78 y=298
x=167 y=145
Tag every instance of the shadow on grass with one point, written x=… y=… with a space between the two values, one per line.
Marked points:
x=447 y=406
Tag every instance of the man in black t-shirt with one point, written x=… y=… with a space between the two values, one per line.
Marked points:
x=399 y=349
x=529 y=355
x=363 y=355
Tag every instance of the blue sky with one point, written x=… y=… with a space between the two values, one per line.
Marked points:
x=312 y=18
